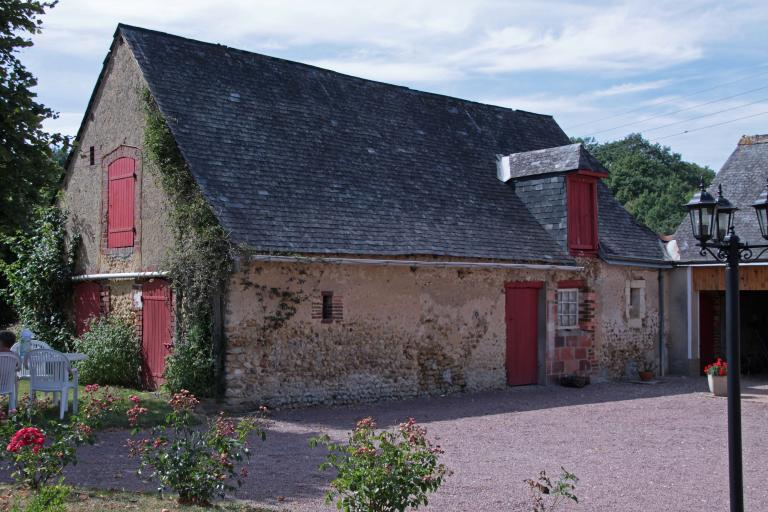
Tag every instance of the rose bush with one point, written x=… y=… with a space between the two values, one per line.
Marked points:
x=383 y=472
x=196 y=463
x=37 y=450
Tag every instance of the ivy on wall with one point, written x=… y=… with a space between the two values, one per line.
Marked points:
x=198 y=262
x=39 y=278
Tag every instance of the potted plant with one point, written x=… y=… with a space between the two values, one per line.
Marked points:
x=646 y=371
x=717 y=373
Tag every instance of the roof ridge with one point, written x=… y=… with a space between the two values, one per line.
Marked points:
x=748 y=140
x=123 y=26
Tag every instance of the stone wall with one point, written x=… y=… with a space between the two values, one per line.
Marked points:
x=399 y=331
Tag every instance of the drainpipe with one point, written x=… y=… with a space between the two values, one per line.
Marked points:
x=118 y=276
x=661 y=322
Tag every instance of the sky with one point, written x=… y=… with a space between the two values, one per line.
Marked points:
x=667 y=69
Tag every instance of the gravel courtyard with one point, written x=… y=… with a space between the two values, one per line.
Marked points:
x=635 y=448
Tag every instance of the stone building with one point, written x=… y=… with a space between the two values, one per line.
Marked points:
x=393 y=242
x=697 y=302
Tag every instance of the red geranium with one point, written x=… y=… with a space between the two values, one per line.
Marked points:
x=719 y=367
x=29 y=436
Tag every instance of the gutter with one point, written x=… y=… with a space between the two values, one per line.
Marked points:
x=118 y=276
x=408 y=263
x=638 y=262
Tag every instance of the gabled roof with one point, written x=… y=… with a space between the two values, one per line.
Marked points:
x=743 y=177
x=294 y=158
x=571 y=157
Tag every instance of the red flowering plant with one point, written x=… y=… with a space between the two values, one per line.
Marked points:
x=37 y=450
x=196 y=463
x=719 y=367
x=385 y=471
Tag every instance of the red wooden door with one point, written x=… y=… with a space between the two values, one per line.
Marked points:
x=87 y=302
x=156 y=341
x=522 y=318
x=706 y=330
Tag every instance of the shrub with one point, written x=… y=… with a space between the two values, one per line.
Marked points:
x=190 y=366
x=48 y=499
x=114 y=353
x=197 y=464
x=384 y=472
x=35 y=452
x=547 y=496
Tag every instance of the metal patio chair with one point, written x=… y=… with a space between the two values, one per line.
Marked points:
x=9 y=382
x=50 y=372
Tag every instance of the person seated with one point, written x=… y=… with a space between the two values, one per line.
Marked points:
x=7 y=339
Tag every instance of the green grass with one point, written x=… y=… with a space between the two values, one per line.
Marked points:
x=94 y=500
x=155 y=402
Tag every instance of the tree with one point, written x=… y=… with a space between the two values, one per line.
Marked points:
x=29 y=171
x=651 y=181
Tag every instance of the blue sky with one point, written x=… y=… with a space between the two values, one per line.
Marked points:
x=601 y=68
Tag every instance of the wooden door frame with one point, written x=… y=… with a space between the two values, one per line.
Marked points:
x=541 y=326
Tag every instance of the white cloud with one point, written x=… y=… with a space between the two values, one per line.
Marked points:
x=631 y=88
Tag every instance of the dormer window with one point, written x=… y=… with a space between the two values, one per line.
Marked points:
x=582 y=214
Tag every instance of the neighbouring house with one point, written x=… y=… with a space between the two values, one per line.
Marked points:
x=407 y=242
x=697 y=298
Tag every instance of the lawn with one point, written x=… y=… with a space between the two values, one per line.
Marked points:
x=89 y=500
x=155 y=402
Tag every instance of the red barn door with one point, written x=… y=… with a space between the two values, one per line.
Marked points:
x=522 y=318
x=157 y=337
x=87 y=302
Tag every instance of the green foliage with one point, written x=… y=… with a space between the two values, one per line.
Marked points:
x=190 y=366
x=114 y=353
x=34 y=465
x=548 y=496
x=51 y=498
x=39 y=279
x=197 y=464
x=651 y=181
x=200 y=260
x=385 y=471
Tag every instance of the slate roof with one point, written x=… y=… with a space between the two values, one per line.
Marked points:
x=571 y=157
x=743 y=177
x=299 y=159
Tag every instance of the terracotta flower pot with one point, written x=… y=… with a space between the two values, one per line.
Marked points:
x=645 y=376
x=718 y=384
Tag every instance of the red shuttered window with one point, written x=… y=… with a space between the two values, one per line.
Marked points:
x=582 y=214
x=122 y=183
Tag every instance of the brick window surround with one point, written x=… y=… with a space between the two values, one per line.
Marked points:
x=574 y=352
x=328 y=307
x=121 y=152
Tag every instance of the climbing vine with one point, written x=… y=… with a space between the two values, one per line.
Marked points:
x=198 y=262
x=39 y=278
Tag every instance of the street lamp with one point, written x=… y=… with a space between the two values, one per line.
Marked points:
x=712 y=219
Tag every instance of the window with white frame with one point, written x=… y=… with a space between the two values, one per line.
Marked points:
x=635 y=298
x=568 y=308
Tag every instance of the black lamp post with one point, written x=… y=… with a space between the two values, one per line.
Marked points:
x=712 y=224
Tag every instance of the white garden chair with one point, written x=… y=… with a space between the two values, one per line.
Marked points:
x=31 y=345
x=49 y=372
x=9 y=382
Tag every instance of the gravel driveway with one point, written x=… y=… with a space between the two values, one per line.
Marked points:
x=635 y=448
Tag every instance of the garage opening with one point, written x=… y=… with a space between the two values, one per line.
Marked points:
x=754 y=330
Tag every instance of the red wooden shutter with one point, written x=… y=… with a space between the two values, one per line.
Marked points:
x=157 y=329
x=87 y=305
x=582 y=214
x=120 y=208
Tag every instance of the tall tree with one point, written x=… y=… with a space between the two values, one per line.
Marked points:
x=29 y=170
x=651 y=181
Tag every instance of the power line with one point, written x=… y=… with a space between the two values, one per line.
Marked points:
x=705 y=115
x=709 y=126
x=695 y=93
x=680 y=110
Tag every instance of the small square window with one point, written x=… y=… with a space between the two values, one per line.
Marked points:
x=568 y=308
x=327 y=307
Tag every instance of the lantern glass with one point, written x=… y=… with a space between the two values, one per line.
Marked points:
x=701 y=221
x=723 y=222
x=762 y=218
